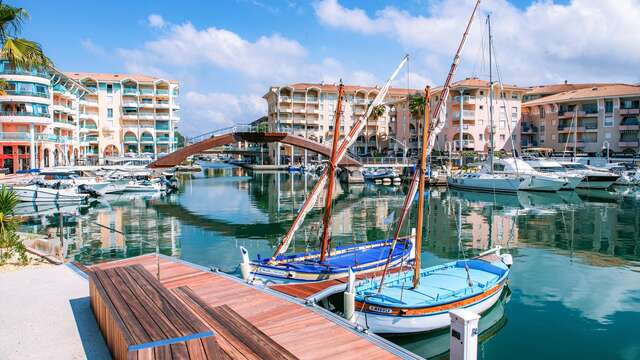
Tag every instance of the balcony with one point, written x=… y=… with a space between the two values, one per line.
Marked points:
x=630 y=111
x=144 y=91
x=590 y=126
x=299 y=109
x=26 y=93
x=130 y=140
x=163 y=139
x=298 y=99
x=130 y=91
x=15 y=136
x=162 y=116
x=162 y=92
x=312 y=100
x=628 y=143
x=466 y=115
x=146 y=139
x=285 y=99
x=467 y=99
x=18 y=71
x=160 y=105
x=529 y=129
x=145 y=116
x=24 y=116
x=129 y=103
x=130 y=116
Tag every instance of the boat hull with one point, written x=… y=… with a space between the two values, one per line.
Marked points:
x=300 y=268
x=498 y=184
x=46 y=195
x=542 y=183
x=597 y=182
x=425 y=319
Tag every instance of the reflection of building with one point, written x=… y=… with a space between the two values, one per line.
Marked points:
x=601 y=115
x=308 y=110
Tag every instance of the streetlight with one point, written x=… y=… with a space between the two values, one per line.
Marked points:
x=607 y=148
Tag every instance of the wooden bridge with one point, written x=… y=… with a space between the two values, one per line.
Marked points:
x=207 y=142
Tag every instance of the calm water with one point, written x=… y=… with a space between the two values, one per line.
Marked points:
x=575 y=283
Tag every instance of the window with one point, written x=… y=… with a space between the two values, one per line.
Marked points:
x=514 y=96
x=503 y=124
x=109 y=113
x=608 y=106
x=480 y=137
x=608 y=121
x=481 y=92
x=502 y=137
x=514 y=112
x=541 y=112
x=109 y=88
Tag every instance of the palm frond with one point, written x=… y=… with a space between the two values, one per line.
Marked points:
x=11 y=20
x=25 y=53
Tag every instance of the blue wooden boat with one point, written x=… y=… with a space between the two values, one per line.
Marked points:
x=475 y=284
x=306 y=267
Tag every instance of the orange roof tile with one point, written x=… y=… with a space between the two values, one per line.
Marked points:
x=558 y=88
x=588 y=93
x=115 y=77
x=349 y=88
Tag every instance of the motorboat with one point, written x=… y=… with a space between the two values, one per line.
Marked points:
x=594 y=178
x=379 y=174
x=38 y=193
x=549 y=166
x=73 y=177
x=629 y=174
x=508 y=175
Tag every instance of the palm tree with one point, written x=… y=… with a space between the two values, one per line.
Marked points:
x=23 y=53
x=10 y=242
x=416 y=105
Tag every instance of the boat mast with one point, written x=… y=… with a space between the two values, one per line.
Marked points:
x=421 y=181
x=575 y=132
x=326 y=220
x=444 y=93
x=491 y=143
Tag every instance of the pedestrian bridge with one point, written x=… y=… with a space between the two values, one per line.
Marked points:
x=236 y=134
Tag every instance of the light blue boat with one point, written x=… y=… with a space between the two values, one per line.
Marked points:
x=475 y=284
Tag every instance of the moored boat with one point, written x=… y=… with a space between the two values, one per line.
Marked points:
x=38 y=194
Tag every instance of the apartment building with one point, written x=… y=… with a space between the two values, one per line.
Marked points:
x=468 y=108
x=49 y=118
x=126 y=115
x=594 y=118
x=308 y=110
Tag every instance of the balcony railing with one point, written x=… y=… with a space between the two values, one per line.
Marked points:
x=162 y=92
x=466 y=99
x=163 y=139
x=146 y=91
x=27 y=93
x=133 y=91
x=15 y=136
x=130 y=139
x=466 y=114
x=23 y=113
x=14 y=71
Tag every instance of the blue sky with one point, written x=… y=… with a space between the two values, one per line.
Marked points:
x=227 y=53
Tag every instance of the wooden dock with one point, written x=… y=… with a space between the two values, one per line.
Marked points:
x=307 y=332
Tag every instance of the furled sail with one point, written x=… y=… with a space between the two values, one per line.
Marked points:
x=347 y=142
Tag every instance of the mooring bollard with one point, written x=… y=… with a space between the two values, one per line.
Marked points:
x=245 y=267
x=464 y=334
x=350 y=297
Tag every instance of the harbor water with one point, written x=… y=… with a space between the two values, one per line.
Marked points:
x=575 y=282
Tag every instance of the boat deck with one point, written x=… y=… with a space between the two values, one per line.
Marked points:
x=314 y=291
x=308 y=332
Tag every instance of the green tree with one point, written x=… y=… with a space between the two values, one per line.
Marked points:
x=416 y=105
x=179 y=139
x=21 y=52
x=378 y=111
x=10 y=243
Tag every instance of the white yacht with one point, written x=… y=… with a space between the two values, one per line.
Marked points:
x=508 y=175
x=40 y=194
x=629 y=175
x=548 y=166
x=71 y=177
x=594 y=178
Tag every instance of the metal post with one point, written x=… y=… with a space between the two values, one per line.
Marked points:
x=464 y=334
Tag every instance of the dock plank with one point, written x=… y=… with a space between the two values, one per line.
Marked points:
x=293 y=326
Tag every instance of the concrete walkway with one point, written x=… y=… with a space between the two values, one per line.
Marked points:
x=45 y=314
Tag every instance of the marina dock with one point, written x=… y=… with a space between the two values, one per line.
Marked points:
x=306 y=331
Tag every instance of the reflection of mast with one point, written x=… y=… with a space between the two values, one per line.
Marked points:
x=423 y=174
x=326 y=221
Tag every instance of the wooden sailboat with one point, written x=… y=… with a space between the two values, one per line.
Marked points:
x=419 y=300
x=328 y=264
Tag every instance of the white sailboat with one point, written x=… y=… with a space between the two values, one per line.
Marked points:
x=39 y=194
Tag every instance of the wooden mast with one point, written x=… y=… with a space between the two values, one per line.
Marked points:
x=444 y=93
x=326 y=220
x=421 y=181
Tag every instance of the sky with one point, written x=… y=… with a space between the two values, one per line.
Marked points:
x=227 y=53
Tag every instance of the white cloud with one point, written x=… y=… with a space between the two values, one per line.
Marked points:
x=213 y=110
x=156 y=21
x=585 y=40
x=92 y=47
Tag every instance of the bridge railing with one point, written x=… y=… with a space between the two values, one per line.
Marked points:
x=386 y=160
x=218 y=132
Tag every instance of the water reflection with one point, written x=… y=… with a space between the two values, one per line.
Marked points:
x=576 y=253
